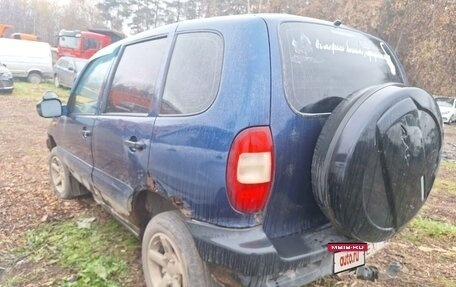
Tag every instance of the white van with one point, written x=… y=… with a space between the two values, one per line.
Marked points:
x=29 y=60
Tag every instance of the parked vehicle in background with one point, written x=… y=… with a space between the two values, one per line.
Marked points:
x=6 y=80
x=30 y=60
x=447 y=108
x=241 y=146
x=83 y=44
x=67 y=69
x=24 y=36
x=18 y=36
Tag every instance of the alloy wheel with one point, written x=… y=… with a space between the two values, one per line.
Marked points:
x=164 y=262
x=57 y=175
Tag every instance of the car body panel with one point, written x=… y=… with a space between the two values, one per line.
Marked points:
x=119 y=171
x=75 y=149
x=188 y=155
x=292 y=207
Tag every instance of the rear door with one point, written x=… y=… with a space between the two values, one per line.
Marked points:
x=123 y=130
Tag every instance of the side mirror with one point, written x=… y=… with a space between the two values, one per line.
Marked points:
x=70 y=68
x=50 y=106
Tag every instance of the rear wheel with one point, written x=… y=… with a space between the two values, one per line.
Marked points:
x=169 y=254
x=34 y=78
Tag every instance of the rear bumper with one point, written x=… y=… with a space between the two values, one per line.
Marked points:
x=249 y=252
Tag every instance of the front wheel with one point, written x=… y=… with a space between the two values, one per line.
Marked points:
x=62 y=183
x=60 y=176
x=169 y=254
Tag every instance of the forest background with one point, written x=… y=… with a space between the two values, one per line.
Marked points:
x=422 y=32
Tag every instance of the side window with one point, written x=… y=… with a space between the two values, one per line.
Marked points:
x=71 y=65
x=91 y=44
x=90 y=86
x=133 y=86
x=63 y=64
x=194 y=73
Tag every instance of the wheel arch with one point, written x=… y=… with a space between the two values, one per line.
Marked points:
x=146 y=204
x=34 y=71
x=50 y=142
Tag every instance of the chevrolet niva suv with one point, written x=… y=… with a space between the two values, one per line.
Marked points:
x=238 y=147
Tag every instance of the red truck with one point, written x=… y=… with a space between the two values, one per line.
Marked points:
x=83 y=44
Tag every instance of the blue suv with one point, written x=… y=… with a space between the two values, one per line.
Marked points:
x=238 y=147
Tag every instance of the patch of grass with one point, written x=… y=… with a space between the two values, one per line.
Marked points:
x=449 y=165
x=96 y=256
x=446 y=185
x=446 y=282
x=14 y=281
x=34 y=92
x=421 y=228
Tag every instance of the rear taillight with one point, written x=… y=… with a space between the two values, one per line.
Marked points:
x=250 y=168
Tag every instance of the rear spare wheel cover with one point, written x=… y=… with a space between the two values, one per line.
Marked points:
x=376 y=160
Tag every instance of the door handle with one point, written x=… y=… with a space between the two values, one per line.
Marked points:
x=85 y=132
x=134 y=144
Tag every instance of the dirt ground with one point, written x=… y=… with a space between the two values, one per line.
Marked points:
x=26 y=201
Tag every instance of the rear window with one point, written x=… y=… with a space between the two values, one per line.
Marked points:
x=324 y=64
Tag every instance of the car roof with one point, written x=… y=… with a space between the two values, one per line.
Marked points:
x=73 y=59
x=270 y=18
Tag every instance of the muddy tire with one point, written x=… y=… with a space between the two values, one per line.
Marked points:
x=169 y=254
x=376 y=160
x=63 y=184
x=60 y=176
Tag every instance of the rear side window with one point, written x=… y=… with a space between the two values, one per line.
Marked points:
x=324 y=64
x=194 y=73
x=134 y=82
